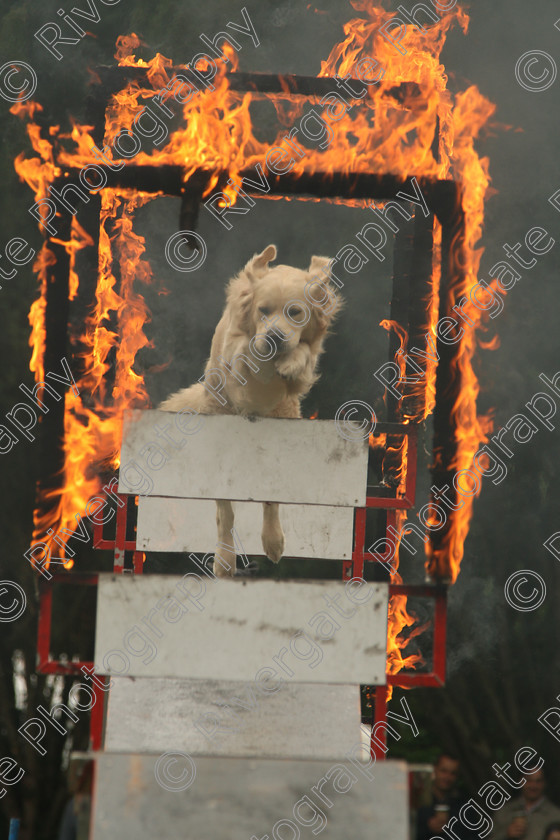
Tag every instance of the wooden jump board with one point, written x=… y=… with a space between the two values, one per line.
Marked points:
x=232 y=457
x=217 y=717
x=249 y=631
x=248 y=799
x=184 y=525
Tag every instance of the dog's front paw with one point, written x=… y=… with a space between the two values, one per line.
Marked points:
x=224 y=562
x=273 y=544
x=289 y=367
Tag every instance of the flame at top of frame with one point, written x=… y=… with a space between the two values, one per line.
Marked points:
x=386 y=133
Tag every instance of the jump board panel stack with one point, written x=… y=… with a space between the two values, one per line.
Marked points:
x=247 y=689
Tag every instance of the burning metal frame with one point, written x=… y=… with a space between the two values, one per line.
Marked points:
x=412 y=292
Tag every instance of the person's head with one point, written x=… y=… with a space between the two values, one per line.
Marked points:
x=552 y=832
x=534 y=786
x=446 y=770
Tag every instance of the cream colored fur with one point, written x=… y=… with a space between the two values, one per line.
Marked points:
x=294 y=309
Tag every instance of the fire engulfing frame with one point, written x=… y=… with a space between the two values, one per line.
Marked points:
x=444 y=200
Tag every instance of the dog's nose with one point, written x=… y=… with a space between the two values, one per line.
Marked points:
x=277 y=336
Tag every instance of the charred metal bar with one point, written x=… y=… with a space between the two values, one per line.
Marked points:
x=448 y=387
x=435 y=142
x=87 y=269
x=307 y=86
x=421 y=291
x=440 y=195
x=94 y=115
x=50 y=475
x=403 y=258
x=166 y=179
x=112 y=79
x=188 y=217
x=190 y=206
x=110 y=224
x=108 y=80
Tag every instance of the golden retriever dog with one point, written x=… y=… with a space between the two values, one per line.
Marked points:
x=263 y=361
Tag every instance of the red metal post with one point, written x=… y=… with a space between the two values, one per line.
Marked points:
x=436 y=677
x=406 y=501
x=380 y=716
x=440 y=635
x=138 y=562
x=97 y=717
x=389 y=553
x=44 y=626
x=120 y=537
x=411 y=465
x=357 y=565
x=99 y=540
x=45 y=664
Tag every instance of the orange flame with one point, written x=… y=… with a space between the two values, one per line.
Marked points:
x=404 y=145
x=390 y=134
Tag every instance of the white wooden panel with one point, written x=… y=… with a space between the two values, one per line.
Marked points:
x=319 y=531
x=220 y=717
x=239 y=799
x=230 y=629
x=257 y=459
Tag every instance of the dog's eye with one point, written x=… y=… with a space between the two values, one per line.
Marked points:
x=264 y=310
x=294 y=312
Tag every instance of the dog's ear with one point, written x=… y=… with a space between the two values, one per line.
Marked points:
x=240 y=300
x=318 y=264
x=241 y=288
x=319 y=289
x=258 y=265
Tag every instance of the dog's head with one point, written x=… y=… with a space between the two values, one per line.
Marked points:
x=282 y=305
